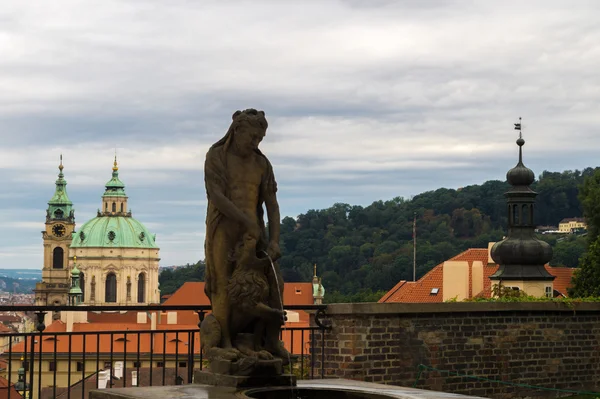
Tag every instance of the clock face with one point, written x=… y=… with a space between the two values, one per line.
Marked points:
x=58 y=230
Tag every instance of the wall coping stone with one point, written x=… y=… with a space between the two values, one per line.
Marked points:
x=458 y=307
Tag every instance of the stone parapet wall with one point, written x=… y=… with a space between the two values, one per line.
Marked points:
x=544 y=344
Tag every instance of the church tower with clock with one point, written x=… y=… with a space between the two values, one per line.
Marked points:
x=57 y=237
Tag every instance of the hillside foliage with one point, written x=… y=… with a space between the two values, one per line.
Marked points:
x=362 y=252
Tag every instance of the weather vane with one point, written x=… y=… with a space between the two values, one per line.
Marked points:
x=518 y=127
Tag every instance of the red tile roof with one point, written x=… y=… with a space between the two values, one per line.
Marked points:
x=420 y=291
x=192 y=293
x=4 y=390
x=563 y=278
x=4 y=329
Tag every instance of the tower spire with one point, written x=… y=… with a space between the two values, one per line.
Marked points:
x=115 y=166
x=60 y=206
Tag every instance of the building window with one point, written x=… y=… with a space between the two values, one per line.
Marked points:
x=525 y=215
x=79 y=366
x=107 y=365
x=114 y=207
x=51 y=366
x=549 y=292
x=58 y=258
x=82 y=285
x=106 y=207
x=160 y=364
x=111 y=288
x=141 y=288
x=121 y=207
x=26 y=365
x=137 y=364
x=183 y=364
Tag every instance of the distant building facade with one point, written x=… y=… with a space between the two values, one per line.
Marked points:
x=568 y=225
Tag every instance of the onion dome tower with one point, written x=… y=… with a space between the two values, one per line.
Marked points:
x=521 y=255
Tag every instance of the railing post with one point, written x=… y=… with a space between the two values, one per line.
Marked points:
x=40 y=327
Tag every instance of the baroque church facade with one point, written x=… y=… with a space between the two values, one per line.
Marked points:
x=115 y=256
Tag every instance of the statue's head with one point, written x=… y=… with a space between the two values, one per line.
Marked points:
x=247 y=130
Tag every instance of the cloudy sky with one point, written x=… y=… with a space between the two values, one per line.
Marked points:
x=366 y=100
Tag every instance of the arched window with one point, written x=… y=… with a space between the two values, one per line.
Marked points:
x=114 y=207
x=82 y=285
x=141 y=289
x=121 y=207
x=58 y=258
x=516 y=219
x=525 y=215
x=106 y=207
x=110 y=291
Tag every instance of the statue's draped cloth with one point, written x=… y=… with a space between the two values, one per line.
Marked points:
x=215 y=176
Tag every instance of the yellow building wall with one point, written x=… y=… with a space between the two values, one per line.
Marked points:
x=531 y=288
x=456 y=280
x=566 y=227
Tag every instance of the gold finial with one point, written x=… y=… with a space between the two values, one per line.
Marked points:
x=60 y=167
x=115 y=167
x=74 y=259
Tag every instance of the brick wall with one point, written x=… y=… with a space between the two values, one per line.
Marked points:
x=543 y=344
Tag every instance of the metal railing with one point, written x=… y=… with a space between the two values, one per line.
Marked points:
x=47 y=363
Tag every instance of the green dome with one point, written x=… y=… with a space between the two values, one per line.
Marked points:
x=113 y=232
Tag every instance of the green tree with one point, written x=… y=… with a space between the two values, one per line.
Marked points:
x=589 y=196
x=586 y=281
x=568 y=251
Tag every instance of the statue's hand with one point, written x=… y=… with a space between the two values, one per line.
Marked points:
x=274 y=251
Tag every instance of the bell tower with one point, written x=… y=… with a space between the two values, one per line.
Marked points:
x=57 y=237
x=521 y=255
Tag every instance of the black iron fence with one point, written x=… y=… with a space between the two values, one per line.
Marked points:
x=67 y=362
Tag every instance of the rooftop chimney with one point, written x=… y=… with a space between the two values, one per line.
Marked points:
x=103 y=378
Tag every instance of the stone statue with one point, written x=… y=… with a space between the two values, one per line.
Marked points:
x=243 y=281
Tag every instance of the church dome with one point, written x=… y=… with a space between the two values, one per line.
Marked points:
x=113 y=232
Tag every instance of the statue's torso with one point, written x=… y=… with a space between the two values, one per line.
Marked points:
x=245 y=176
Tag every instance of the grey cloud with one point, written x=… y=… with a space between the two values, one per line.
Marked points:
x=366 y=100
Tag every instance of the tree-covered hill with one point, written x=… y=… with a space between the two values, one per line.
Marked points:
x=362 y=250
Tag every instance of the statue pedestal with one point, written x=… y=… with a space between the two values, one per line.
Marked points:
x=255 y=373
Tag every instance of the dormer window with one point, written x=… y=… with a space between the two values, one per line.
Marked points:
x=434 y=291
x=59 y=214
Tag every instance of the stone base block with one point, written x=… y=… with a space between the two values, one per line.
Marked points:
x=243 y=381
x=246 y=366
